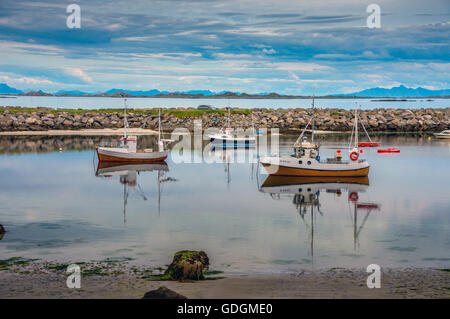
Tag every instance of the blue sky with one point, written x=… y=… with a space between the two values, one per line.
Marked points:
x=289 y=47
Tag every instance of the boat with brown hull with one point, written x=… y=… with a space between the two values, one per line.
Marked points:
x=305 y=161
x=127 y=151
x=290 y=167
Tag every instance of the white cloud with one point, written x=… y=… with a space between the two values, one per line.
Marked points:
x=26 y=80
x=114 y=27
x=23 y=47
x=78 y=73
x=301 y=66
x=269 y=51
x=232 y=56
x=266 y=32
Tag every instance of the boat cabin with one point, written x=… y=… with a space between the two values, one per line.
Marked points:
x=306 y=149
x=129 y=142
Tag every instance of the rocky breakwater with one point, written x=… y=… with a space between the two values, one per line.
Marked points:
x=287 y=120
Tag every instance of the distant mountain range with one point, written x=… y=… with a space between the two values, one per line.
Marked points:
x=395 y=92
x=398 y=91
x=4 y=88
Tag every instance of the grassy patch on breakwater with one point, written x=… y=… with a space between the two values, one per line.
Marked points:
x=174 y=112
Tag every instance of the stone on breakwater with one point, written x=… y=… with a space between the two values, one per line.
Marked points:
x=287 y=120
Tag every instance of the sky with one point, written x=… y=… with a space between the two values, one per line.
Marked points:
x=285 y=46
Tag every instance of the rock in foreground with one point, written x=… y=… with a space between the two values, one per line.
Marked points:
x=163 y=293
x=188 y=265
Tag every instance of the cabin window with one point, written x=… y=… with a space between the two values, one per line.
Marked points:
x=309 y=162
x=300 y=162
x=299 y=190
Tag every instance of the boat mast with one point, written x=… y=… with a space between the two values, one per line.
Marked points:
x=125 y=200
x=313 y=122
x=160 y=142
x=356 y=127
x=125 y=122
x=159 y=125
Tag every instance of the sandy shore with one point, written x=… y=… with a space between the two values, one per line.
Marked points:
x=84 y=132
x=44 y=280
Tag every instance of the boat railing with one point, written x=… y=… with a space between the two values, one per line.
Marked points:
x=114 y=145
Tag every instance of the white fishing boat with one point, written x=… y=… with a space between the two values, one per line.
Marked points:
x=444 y=134
x=127 y=150
x=226 y=138
x=306 y=158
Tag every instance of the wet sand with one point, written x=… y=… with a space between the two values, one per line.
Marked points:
x=122 y=281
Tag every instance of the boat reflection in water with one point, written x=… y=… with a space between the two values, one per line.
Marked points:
x=305 y=193
x=227 y=156
x=128 y=173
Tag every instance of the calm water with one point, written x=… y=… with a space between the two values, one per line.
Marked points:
x=107 y=102
x=61 y=206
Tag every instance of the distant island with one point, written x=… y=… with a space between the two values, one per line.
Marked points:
x=392 y=93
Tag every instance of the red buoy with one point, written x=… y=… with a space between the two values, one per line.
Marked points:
x=367 y=144
x=354 y=155
x=389 y=150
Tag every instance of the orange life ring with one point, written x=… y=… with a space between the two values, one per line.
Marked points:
x=353 y=197
x=354 y=156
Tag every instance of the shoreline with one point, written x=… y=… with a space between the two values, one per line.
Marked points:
x=119 y=280
x=293 y=120
x=82 y=132
x=149 y=132
x=230 y=95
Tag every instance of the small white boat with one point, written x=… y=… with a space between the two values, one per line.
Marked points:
x=127 y=150
x=226 y=139
x=443 y=134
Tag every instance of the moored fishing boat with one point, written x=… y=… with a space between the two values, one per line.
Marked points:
x=127 y=150
x=306 y=159
x=444 y=134
x=226 y=139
